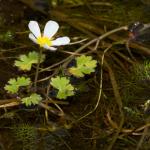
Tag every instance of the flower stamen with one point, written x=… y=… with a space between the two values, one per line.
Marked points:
x=44 y=41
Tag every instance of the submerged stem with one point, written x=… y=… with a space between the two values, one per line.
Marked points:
x=37 y=69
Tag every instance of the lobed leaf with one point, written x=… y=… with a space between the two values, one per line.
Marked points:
x=85 y=65
x=22 y=81
x=32 y=99
x=14 y=84
x=63 y=86
x=25 y=61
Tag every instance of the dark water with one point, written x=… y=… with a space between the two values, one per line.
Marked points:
x=14 y=17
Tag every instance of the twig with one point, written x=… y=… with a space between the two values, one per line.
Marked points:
x=77 y=42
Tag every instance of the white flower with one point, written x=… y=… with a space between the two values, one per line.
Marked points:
x=45 y=39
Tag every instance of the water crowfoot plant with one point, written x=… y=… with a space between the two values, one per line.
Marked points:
x=25 y=62
x=45 y=39
x=34 y=95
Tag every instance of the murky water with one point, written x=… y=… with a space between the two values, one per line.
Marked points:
x=24 y=128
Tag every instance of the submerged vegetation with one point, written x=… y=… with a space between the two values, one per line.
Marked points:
x=84 y=86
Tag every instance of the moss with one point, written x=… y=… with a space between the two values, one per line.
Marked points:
x=27 y=135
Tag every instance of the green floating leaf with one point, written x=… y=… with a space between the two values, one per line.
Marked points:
x=25 y=61
x=32 y=99
x=14 y=84
x=85 y=65
x=63 y=86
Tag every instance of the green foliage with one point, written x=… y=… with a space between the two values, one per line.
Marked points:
x=14 y=84
x=141 y=71
x=136 y=85
x=146 y=70
x=32 y=99
x=63 y=86
x=25 y=61
x=85 y=65
x=119 y=8
x=26 y=134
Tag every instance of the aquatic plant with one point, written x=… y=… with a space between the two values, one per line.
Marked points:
x=136 y=86
x=25 y=61
x=32 y=99
x=46 y=39
x=63 y=86
x=14 y=84
x=85 y=65
x=27 y=135
x=142 y=71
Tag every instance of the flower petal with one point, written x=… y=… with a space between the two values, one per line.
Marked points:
x=51 y=28
x=50 y=48
x=34 y=28
x=32 y=37
x=61 y=41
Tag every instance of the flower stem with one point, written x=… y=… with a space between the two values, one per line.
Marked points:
x=37 y=69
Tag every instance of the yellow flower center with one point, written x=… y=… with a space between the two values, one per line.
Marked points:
x=44 y=41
